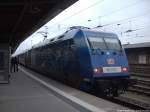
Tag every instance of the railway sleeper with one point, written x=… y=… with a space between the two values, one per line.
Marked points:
x=144 y=88
x=141 y=79
x=139 y=91
x=140 y=75
x=143 y=83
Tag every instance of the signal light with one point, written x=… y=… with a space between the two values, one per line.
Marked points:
x=98 y=70
x=124 y=69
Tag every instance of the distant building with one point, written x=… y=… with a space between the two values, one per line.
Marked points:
x=138 y=57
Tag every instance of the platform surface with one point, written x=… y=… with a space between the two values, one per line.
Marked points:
x=88 y=98
x=25 y=95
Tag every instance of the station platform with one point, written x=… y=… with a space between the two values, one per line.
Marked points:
x=31 y=92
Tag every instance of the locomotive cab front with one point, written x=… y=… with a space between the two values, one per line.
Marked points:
x=108 y=62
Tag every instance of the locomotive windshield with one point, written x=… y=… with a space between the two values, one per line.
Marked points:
x=104 y=43
x=113 y=43
x=97 y=43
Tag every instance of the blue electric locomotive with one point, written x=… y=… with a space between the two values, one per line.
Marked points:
x=82 y=58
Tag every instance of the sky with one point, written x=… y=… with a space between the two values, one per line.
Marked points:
x=129 y=19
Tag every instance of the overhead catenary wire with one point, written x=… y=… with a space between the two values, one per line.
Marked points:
x=118 y=10
x=131 y=35
x=76 y=13
x=131 y=30
x=115 y=22
x=137 y=29
x=126 y=19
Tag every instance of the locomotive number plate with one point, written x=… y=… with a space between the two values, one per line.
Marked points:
x=111 y=69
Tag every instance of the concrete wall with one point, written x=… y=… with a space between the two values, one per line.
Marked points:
x=4 y=63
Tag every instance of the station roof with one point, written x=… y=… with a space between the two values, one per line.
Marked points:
x=138 y=45
x=20 y=18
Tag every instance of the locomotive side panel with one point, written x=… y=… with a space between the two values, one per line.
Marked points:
x=57 y=60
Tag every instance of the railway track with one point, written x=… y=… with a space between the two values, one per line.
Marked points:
x=128 y=102
x=137 y=97
x=143 y=84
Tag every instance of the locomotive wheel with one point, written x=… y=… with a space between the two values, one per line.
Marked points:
x=111 y=92
x=108 y=92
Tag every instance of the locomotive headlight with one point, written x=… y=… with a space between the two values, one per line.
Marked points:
x=124 y=69
x=98 y=70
